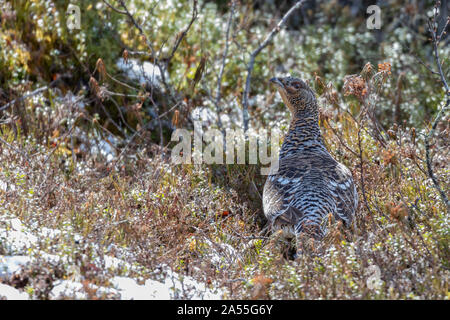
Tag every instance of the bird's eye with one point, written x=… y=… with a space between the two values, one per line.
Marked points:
x=296 y=85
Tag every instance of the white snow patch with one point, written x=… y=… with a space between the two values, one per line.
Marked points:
x=113 y=263
x=144 y=72
x=50 y=233
x=17 y=239
x=174 y=286
x=9 y=265
x=185 y=287
x=130 y=290
x=105 y=148
x=4 y=186
x=11 y=293
x=71 y=289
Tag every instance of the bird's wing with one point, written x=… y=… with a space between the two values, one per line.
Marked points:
x=273 y=198
x=320 y=178
x=281 y=189
x=342 y=187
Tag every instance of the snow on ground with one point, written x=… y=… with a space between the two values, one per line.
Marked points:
x=10 y=265
x=64 y=289
x=105 y=147
x=130 y=290
x=10 y=293
x=174 y=286
x=22 y=247
x=3 y=186
x=143 y=72
x=15 y=237
x=98 y=145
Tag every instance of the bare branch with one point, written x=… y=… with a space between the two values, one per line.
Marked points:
x=23 y=154
x=435 y=41
x=361 y=167
x=140 y=131
x=425 y=65
x=341 y=140
x=62 y=139
x=148 y=43
x=183 y=33
x=35 y=92
x=114 y=8
x=222 y=67
x=253 y=55
x=161 y=64
x=121 y=114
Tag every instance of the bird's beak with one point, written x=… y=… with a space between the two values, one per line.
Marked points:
x=277 y=81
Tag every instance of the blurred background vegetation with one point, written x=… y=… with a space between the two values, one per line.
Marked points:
x=328 y=39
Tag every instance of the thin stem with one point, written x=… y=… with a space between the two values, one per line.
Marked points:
x=253 y=55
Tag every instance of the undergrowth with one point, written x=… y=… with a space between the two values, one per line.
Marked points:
x=180 y=215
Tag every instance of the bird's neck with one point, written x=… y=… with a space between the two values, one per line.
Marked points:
x=303 y=135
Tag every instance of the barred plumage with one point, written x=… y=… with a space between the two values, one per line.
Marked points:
x=309 y=183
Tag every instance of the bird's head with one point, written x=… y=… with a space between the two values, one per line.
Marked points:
x=296 y=94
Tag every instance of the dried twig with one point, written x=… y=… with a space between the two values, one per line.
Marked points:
x=361 y=167
x=161 y=63
x=156 y=61
x=114 y=8
x=341 y=140
x=183 y=33
x=62 y=139
x=253 y=55
x=435 y=40
x=139 y=132
x=23 y=154
x=33 y=93
x=222 y=67
x=425 y=65
x=121 y=115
